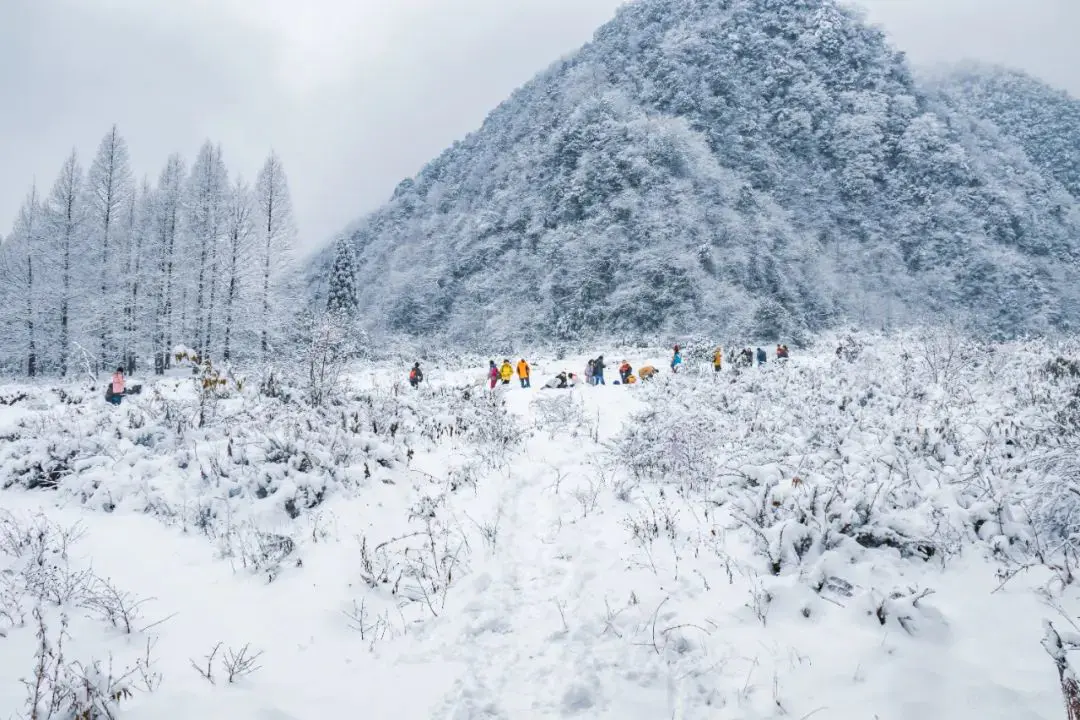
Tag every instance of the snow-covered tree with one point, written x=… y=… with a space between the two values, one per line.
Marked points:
x=276 y=235
x=67 y=219
x=207 y=198
x=22 y=271
x=239 y=252
x=109 y=189
x=341 y=292
x=164 y=251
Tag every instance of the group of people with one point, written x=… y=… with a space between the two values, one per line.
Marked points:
x=505 y=373
x=594 y=369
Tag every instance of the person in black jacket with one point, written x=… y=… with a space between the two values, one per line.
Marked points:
x=598 y=370
x=416 y=375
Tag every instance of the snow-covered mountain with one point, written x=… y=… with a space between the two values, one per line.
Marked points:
x=758 y=167
x=1045 y=121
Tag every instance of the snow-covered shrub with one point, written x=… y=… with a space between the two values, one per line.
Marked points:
x=815 y=464
x=559 y=413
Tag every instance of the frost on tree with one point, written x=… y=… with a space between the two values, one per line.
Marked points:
x=103 y=272
x=276 y=233
x=341 y=293
x=733 y=165
x=109 y=190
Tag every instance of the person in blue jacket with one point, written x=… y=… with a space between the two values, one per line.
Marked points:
x=676 y=360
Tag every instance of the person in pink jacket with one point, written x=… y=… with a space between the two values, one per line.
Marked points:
x=493 y=374
x=116 y=385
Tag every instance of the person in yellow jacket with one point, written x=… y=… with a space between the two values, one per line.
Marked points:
x=718 y=360
x=523 y=373
x=506 y=372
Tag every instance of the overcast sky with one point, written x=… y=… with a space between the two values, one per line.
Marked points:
x=357 y=94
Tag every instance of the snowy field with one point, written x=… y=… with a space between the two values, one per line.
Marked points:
x=879 y=535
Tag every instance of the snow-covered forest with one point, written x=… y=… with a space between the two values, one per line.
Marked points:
x=759 y=167
x=106 y=269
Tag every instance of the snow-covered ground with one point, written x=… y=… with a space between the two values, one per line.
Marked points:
x=875 y=536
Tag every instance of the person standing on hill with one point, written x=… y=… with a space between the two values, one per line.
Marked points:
x=590 y=370
x=506 y=372
x=523 y=373
x=416 y=375
x=718 y=360
x=762 y=357
x=598 y=371
x=493 y=374
x=676 y=360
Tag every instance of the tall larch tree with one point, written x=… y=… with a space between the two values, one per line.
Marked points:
x=240 y=229
x=206 y=201
x=66 y=219
x=277 y=234
x=109 y=189
x=166 y=209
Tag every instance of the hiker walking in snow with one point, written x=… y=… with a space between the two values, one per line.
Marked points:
x=746 y=357
x=416 y=375
x=718 y=360
x=506 y=372
x=762 y=357
x=676 y=360
x=523 y=373
x=115 y=391
x=598 y=371
x=493 y=374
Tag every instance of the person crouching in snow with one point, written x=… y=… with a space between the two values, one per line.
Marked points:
x=624 y=371
x=506 y=372
x=557 y=383
x=416 y=375
x=116 y=387
x=493 y=374
x=523 y=373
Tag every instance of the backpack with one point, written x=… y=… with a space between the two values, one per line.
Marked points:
x=412 y=375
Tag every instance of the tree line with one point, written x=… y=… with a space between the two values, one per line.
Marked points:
x=106 y=271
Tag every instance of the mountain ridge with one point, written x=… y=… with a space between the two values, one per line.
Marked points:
x=737 y=167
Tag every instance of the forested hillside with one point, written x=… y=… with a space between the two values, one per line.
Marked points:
x=739 y=167
x=1043 y=120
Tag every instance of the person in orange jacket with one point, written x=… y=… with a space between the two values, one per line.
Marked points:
x=523 y=373
x=624 y=371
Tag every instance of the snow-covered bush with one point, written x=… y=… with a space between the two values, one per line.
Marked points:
x=883 y=451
